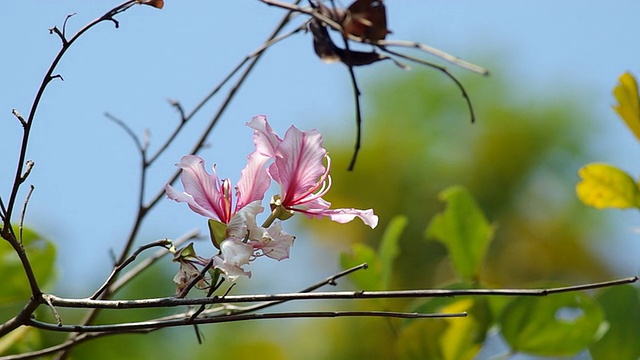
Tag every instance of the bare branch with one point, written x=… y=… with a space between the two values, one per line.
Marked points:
x=27 y=170
x=19 y=117
x=253 y=60
x=64 y=26
x=436 y=52
x=127 y=130
x=146 y=325
x=45 y=81
x=24 y=212
x=56 y=315
x=331 y=280
x=166 y=243
x=196 y=279
x=175 y=301
x=144 y=264
x=441 y=69
x=20 y=319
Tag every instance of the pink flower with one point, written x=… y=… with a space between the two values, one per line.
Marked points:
x=299 y=169
x=247 y=241
x=240 y=240
x=208 y=196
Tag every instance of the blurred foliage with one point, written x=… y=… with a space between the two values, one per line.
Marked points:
x=525 y=225
x=518 y=160
x=511 y=221
x=15 y=287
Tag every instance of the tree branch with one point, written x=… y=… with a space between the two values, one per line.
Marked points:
x=173 y=301
x=147 y=325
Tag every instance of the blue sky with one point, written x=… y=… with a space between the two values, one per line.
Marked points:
x=86 y=167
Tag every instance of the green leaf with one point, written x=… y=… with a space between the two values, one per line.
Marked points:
x=464 y=230
x=380 y=265
x=606 y=186
x=628 y=107
x=217 y=231
x=621 y=305
x=360 y=253
x=41 y=254
x=389 y=249
x=554 y=325
x=447 y=339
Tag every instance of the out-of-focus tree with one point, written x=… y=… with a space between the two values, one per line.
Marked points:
x=518 y=160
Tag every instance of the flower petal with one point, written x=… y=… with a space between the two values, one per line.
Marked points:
x=265 y=139
x=201 y=190
x=272 y=242
x=232 y=272
x=175 y=195
x=235 y=252
x=254 y=180
x=279 y=244
x=345 y=215
x=244 y=220
x=299 y=164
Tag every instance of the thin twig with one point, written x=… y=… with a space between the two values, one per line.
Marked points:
x=184 y=118
x=196 y=279
x=7 y=229
x=175 y=301
x=108 y=16
x=145 y=325
x=55 y=313
x=400 y=43
x=127 y=130
x=144 y=264
x=24 y=212
x=331 y=280
x=436 y=52
x=441 y=69
x=166 y=243
x=19 y=117
x=230 y=95
x=356 y=95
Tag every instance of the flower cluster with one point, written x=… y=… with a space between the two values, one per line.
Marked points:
x=296 y=163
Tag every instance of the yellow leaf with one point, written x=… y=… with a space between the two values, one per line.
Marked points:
x=628 y=107
x=605 y=186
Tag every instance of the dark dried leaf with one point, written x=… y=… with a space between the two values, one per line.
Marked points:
x=158 y=4
x=328 y=52
x=366 y=19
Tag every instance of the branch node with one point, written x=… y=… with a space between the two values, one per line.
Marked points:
x=56 y=76
x=27 y=170
x=55 y=30
x=47 y=299
x=116 y=23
